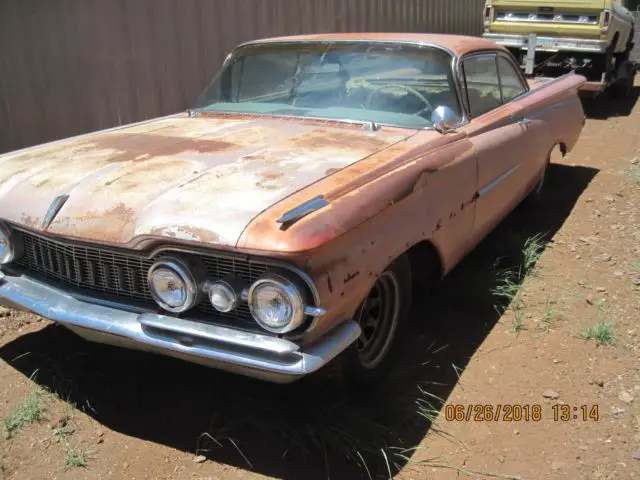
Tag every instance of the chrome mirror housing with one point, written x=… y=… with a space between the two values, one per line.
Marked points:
x=444 y=119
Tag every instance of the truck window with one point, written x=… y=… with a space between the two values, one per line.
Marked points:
x=509 y=80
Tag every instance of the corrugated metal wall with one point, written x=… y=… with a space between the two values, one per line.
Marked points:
x=72 y=66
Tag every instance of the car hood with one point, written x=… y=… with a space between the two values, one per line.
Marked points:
x=201 y=179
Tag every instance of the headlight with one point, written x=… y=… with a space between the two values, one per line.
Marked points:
x=223 y=296
x=276 y=304
x=172 y=285
x=10 y=245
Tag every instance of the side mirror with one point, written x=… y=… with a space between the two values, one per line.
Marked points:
x=444 y=119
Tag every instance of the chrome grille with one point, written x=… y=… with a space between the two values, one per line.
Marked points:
x=124 y=275
x=543 y=17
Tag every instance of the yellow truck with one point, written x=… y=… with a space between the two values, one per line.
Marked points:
x=550 y=38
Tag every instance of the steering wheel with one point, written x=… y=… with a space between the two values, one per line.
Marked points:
x=411 y=90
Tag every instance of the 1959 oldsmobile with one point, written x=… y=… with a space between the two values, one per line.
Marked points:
x=280 y=222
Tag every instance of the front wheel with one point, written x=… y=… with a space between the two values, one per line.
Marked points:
x=383 y=318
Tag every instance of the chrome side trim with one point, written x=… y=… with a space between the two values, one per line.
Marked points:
x=303 y=210
x=493 y=183
x=259 y=356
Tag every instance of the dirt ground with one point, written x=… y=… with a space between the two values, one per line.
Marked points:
x=82 y=411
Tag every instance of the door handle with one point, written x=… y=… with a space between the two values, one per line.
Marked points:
x=524 y=121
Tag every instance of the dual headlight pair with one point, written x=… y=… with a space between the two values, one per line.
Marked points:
x=276 y=302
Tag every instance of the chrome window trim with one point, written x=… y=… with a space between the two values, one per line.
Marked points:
x=461 y=75
x=523 y=81
x=283 y=41
x=483 y=53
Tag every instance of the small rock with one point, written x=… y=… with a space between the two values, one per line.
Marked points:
x=609 y=199
x=199 y=459
x=516 y=432
x=100 y=440
x=601 y=289
x=599 y=383
x=617 y=410
x=625 y=397
x=636 y=281
x=635 y=161
x=637 y=454
x=589 y=200
x=125 y=465
x=501 y=458
x=66 y=430
x=100 y=433
x=618 y=273
x=551 y=394
x=4 y=312
x=555 y=466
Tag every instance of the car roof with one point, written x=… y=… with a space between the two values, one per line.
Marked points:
x=457 y=44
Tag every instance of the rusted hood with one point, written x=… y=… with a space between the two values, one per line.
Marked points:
x=201 y=179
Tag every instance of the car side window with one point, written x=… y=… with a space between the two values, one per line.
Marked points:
x=510 y=80
x=482 y=84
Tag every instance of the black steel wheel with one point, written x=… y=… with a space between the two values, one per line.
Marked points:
x=383 y=318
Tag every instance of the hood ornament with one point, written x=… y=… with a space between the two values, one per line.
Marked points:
x=53 y=210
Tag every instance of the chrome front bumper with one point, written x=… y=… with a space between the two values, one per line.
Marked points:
x=549 y=44
x=259 y=356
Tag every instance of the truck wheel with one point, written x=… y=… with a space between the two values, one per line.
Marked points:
x=384 y=319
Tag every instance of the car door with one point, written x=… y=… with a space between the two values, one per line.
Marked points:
x=499 y=131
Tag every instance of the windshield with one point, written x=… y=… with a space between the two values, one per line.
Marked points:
x=390 y=84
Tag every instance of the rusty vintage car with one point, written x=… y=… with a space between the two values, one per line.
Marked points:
x=279 y=223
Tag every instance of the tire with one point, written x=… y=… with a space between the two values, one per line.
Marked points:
x=623 y=89
x=384 y=319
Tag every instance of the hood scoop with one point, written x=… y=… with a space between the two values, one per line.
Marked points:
x=301 y=211
x=52 y=211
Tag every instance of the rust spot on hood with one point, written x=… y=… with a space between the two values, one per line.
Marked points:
x=144 y=146
x=321 y=138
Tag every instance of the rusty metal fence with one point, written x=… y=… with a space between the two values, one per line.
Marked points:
x=72 y=66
